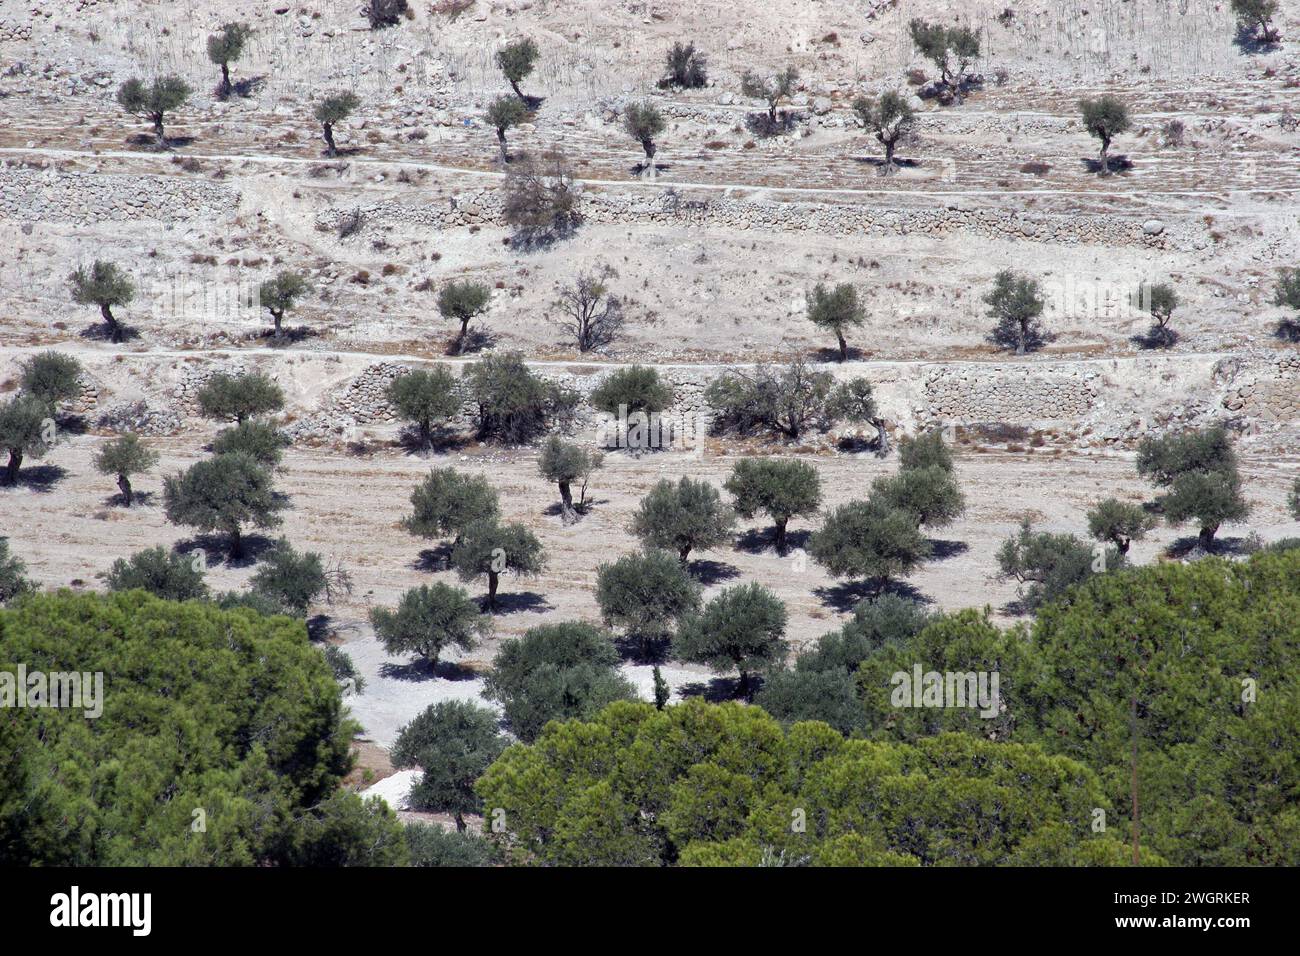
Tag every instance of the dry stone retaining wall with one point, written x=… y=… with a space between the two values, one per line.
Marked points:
x=65 y=196
x=698 y=207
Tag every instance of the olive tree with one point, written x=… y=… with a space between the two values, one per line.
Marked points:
x=280 y=294
x=334 y=108
x=1104 y=117
x=559 y=671
x=293 y=579
x=122 y=458
x=952 y=49
x=453 y=742
x=684 y=516
x=643 y=123
x=743 y=627
x=226 y=47
x=588 y=310
x=460 y=301
x=513 y=403
x=259 y=440
x=781 y=488
x=492 y=549
x=786 y=400
x=836 y=310
x=14 y=582
x=771 y=90
x=540 y=198
x=26 y=429
x=891 y=117
x=237 y=398
x=163 y=573
x=1255 y=19
x=565 y=463
x=516 y=61
x=1046 y=565
x=870 y=540
x=1159 y=299
x=855 y=401
x=646 y=594
x=1287 y=293
x=153 y=101
x=428 y=620
x=51 y=376
x=1016 y=302
x=929 y=494
x=105 y=285
x=1119 y=523
x=223 y=494
x=1199 y=469
x=924 y=450
x=631 y=388
x=448 y=501
x=503 y=113
x=428 y=398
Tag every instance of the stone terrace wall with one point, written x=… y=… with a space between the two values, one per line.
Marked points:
x=64 y=196
x=706 y=207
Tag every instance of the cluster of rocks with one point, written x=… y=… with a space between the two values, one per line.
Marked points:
x=13 y=31
x=141 y=418
x=64 y=196
x=1271 y=396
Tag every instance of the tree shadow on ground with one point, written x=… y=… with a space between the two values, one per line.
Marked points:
x=859 y=444
x=139 y=499
x=1288 y=330
x=759 y=540
x=1248 y=42
x=1189 y=547
x=39 y=478
x=1118 y=165
x=1018 y=607
x=100 y=332
x=409 y=441
x=541 y=240
x=718 y=690
x=476 y=340
x=518 y=602
x=845 y=596
x=942 y=549
x=216 y=549
x=246 y=87
x=289 y=335
x=1156 y=337
x=711 y=572
x=831 y=354
x=639 y=650
x=434 y=559
x=878 y=163
x=420 y=670
x=150 y=142
x=556 y=509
